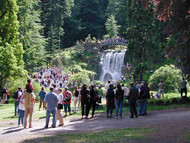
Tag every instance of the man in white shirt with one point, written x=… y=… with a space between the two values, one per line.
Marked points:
x=107 y=85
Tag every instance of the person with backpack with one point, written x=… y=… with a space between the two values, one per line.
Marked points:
x=29 y=103
x=119 y=101
x=133 y=95
x=67 y=101
x=110 y=101
x=75 y=98
x=17 y=94
x=93 y=97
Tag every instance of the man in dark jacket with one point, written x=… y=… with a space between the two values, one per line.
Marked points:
x=110 y=101
x=84 y=100
x=133 y=95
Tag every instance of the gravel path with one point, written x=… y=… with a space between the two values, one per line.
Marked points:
x=170 y=124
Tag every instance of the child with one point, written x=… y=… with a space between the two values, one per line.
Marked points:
x=21 y=110
x=152 y=96
x=157 y=95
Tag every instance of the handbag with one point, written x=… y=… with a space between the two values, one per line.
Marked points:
x=60 y=106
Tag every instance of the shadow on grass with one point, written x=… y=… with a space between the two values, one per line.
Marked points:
x=12 y=131
x=11 y=117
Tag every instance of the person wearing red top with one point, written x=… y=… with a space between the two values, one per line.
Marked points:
x=67 y=101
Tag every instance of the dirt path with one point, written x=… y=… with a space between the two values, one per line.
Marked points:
x=170 y=124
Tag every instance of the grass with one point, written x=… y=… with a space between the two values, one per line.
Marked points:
x=107 y=136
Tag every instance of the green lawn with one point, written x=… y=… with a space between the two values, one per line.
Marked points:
x=7 y=110
x=107 y=136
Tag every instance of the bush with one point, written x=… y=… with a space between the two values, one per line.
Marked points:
x=37 y=89
x=170 y=75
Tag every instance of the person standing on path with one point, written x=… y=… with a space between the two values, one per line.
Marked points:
x=183 y=84
x=119 y=101
x=133 y=95
x=75 y=98
x=126 y=92
x=84 y=100
x=52 y=102
x=67 y=101
x=93 y=96
x=29 y=103
x=16 y=94
x=42 y=96
x=21 y=110
x=110 y=101
x=161 y=89
x=59 y=107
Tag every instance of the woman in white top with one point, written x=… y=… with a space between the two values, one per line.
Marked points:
x=21 y=108
x=59 y=107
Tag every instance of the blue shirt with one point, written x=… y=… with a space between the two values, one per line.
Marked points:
x=42 y=95
x=51 y=100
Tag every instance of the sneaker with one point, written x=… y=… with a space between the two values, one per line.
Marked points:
x=53 y=126
x=46 y=127
x=116 y=117
x=19 y=125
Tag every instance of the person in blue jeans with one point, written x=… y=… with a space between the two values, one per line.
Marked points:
x=17 y=93
x=21 y=111
x=52 y=101
x=119 y=100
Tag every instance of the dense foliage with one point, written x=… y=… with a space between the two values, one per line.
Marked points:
x=34 y=33
x=11 y=49
x=170 y=75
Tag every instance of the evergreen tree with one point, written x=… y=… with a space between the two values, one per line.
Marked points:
x=144 y=38
x=53 y=14
x=111 y=27
x=93 y=18
x=11 y=50
x=30 y=32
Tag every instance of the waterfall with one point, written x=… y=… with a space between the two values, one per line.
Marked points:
x=111 y=64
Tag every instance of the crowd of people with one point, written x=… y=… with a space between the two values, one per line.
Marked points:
x=114 y=40
x=86 y=97
x=51 y=76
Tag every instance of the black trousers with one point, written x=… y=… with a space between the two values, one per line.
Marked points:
x=183 y=90
x=93 y=104
x=84 y=107
x=133 y=109
x=110 y=105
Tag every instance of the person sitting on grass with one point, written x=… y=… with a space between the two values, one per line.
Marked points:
x=52 y=101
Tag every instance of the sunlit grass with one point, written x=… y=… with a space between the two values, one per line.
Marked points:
x=107 y=136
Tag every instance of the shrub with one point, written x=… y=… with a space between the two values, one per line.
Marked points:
x=170 y=75
x=37 y=89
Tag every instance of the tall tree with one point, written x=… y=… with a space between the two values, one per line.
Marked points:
x=144 y=38
x=30 y=32
x=11 y=50
x=111 y=27
x=53 y=14
x=93 y=18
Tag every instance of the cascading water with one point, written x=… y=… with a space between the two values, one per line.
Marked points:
x=111 y=64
